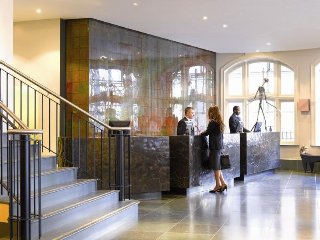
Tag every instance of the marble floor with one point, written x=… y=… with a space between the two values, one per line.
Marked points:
x=280 y=205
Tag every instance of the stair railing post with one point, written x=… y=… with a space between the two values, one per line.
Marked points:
x=24 y=195
x=25 y=187
x=120 y=164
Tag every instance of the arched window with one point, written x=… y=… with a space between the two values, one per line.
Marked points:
x=264 y=90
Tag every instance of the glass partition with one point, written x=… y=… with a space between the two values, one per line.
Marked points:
x=147 y=80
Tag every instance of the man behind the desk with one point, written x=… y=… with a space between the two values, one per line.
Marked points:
x=182 y=128
x=235 y=123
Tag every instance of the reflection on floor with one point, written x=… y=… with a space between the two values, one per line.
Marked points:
x=281 y=205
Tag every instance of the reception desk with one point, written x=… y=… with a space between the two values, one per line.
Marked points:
x=149 y=162
x=150 y=166
x=187 y=173
x=174 y=163
x=260 y=151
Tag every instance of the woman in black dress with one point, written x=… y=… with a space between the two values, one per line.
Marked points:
x=215 y=131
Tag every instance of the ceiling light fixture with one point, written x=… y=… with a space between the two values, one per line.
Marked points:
x=204 y=18
x=135 y=4
x=225 y=25
x=257 y=50
x=38 y=10
x=268 y=43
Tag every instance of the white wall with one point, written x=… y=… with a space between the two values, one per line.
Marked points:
x=36 y=53
x=6 y=30
x=302 y=62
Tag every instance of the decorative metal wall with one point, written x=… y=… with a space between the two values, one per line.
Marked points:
x=146 y=79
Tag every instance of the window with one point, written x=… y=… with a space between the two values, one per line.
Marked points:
x=235 y=82
x=264 y=90
x=317 y=105
x=287 y=123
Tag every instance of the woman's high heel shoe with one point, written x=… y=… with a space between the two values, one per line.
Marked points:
x=215 y=190
x=224 y=187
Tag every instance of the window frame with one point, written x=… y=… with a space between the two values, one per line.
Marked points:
x=276 y=96
x=314 y=97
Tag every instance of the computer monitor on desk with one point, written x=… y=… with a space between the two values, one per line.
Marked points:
x=118 y=123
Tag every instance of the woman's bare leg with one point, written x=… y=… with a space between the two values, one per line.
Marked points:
x=221 y=178
x=216 y=174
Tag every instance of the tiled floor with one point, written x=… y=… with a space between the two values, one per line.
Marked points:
x=281 y=205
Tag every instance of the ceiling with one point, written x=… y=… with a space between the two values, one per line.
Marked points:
x=253 y=25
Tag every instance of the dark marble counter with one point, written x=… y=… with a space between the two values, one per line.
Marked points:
x=259 y=152
x=149 y=162
x=150 y=165
x=187 y=173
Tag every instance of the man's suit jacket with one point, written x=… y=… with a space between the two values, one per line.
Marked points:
x=234 y=124
x=182 y=127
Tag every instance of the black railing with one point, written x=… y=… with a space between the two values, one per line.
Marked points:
x=77 y=138
x=16 y=178
x=24 y=190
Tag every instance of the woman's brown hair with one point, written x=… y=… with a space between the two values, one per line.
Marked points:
x=215 y=115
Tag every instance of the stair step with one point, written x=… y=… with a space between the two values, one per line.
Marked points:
x=67 y=192
x=48 y=162
x=124 y=214
x=52 y=177
x=4 y=152
x=76 y=211
x=61 y=193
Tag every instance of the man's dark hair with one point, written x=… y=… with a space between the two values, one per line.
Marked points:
x=187 y=109
x=235 y=108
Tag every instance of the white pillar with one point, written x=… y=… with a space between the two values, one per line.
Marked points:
x=6 y=30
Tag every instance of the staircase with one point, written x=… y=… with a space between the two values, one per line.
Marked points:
x=71 y=208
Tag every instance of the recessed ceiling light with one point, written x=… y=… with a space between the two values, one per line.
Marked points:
x=38 y=10
x=268 y=43
x=135 y=4
x=225 y=25
x=204 y=18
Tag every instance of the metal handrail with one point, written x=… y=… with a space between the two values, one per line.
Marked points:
x=24 y=131
x=63 y=99
x=11 y=114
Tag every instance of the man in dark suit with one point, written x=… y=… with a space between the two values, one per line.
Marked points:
x=235 y=123
x=185 y=125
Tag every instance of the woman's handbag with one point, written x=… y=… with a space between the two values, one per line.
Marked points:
x=225 y=161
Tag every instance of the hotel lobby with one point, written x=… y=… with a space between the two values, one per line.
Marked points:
x=142 y=63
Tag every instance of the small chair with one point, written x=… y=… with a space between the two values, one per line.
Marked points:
x=308 y=159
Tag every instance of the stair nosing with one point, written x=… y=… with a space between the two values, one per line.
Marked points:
x=71 y=185
x=61 y=188
x=60 y=169
x=97 y=221
x=51 y=171
x=77 y=204
x=5 y=161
